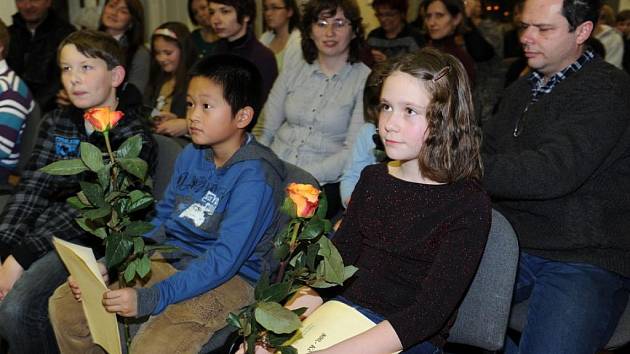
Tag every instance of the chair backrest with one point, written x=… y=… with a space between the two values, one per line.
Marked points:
x=29 y=137
x=483 y=316
x=168 y=150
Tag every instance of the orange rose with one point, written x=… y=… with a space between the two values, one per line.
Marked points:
x=102 y=119
x=305 y=197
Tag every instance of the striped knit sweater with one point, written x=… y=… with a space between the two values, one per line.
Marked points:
x=16 y=103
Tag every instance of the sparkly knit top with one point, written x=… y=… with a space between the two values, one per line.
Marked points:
x=417 y=247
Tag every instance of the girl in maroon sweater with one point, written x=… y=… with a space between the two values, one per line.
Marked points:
x=416 y=228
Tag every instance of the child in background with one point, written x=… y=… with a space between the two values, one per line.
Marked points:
x=220 y=210
x=173 y=54
x=363 y=150
x=416 y=227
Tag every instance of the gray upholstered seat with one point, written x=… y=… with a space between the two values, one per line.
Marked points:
x=483 y=315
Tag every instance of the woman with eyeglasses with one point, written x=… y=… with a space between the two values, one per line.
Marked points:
x=315 y=107
x=282 y=18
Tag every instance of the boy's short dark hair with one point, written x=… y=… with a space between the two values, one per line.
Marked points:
x=5 y=39
x=398 y=5
x=243 y=8
x=238 y=77
x=95 y=44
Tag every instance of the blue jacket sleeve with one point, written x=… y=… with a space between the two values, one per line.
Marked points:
x=248 y=214
x=362 y=155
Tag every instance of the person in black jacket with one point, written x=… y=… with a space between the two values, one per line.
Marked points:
x=556 y=165
x=36 y=33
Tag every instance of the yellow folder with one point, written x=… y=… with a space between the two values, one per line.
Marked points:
x=82 y=266
x=331 y=323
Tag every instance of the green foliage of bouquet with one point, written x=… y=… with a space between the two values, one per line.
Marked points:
x=307 y=259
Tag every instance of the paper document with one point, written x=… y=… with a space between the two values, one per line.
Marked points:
x=331 y=323
x=82 y=266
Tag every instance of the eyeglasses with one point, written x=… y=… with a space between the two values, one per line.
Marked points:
x=273 y=8
x=335 y=23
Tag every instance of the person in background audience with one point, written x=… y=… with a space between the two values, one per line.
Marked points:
x=443 y=19
x=623 y=26
x=204 y=36
x=16 y=103
x=394 y=36
x=173 y=54
x=35 y=34
x=233 y=22
x=556 y=165
x=282 y=18
x=124 y=20
x=612 y=40
x=315 y=109
x=416 y=227
x=363 y=151
x=92 y=73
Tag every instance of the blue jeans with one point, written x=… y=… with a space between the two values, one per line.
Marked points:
x=573 y=307
x=420 y=348
x=24 y=320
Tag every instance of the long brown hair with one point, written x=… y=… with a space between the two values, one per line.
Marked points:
x=135 y=32
x=451 y=150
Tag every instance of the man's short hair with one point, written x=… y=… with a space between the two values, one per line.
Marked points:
x=238 y=77
x=579 y=11
x=95 y=44
x=398 y=5
x=623 y=16
x=5 y=39
x=243 y=8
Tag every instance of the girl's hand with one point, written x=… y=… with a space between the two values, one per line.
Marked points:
x=63 y=99
x=172 y=127
x=74 y=286
x=259 y=350
x=123 y=302
x=164 y=116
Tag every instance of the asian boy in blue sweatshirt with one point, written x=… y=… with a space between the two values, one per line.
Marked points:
x=220 y=209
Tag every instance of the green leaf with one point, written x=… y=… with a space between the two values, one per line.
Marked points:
x=144 y=266
x=261 y=286
x=99 y=232
x=83 y=198
x=332 y=262
x=138 y=228
x=117 y=249
x=311 y=256
x=322 y=207
x=94 y=193
x=104 y=175
x=134 y=165
x=139 y=200
x=98 y=213
x=349 y=271
x=91 y=156
x=276 y=318
x=130 y=271
x=161 y=248
x=65 y=167
x=288 y=207
x=76 y=203
x=312 y=229
x=138 y=245
x=281 y=251
x=277 y=340
x=233 y=320
x=276 y=292
x=130 y=148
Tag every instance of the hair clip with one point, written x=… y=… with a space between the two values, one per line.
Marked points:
x=445 y=70
x=165 y=32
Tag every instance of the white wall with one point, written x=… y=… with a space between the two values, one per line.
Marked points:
x=624 y=5
x=7 y=9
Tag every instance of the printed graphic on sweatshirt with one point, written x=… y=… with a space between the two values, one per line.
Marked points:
x=198 y=212
x=66 y=147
